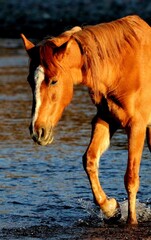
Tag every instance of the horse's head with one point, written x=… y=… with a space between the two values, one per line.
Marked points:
x=55 y=65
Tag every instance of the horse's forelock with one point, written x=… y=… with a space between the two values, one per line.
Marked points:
x=45 y=52
x=47 y=59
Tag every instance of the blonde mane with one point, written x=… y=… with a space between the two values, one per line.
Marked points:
x=104 y=44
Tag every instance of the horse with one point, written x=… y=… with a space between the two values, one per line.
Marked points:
x=114 y=61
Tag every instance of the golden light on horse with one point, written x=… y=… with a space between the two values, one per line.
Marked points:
x=114 y=61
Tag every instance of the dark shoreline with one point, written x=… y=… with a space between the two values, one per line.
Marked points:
x=108 y=232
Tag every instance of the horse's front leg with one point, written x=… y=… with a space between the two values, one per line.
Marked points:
x=100 y=140
x=136 y=135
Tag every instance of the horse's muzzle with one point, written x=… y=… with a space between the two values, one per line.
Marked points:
x=41 y=135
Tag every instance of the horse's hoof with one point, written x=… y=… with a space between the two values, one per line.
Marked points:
x=113 y=213
x=114 y=218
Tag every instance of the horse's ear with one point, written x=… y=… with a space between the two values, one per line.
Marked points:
x=64 y=37
x=28 y=45
x=72 y=53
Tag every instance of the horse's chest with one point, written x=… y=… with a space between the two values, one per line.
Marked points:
x=113 y=109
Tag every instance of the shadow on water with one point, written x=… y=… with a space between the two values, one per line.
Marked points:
x=45 y=193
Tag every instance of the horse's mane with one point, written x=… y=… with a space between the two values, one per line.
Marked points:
x=109 y=40
x=105 y=44
x=101 y=45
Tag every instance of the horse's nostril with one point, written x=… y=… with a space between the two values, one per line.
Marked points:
x=41 y=133
x=35 y=137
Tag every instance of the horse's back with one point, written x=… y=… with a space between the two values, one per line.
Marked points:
x=140 y=63
x=133 y=81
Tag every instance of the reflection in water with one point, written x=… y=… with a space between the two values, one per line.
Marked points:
x=47 y=185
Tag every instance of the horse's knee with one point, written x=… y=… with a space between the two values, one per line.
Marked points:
x=89 y=162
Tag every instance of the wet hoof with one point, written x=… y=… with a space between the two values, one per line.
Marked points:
x=111 y=210
x=115 y=218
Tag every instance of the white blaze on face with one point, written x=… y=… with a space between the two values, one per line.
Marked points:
x=38 y=78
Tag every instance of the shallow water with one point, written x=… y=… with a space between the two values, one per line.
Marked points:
x=47 y=186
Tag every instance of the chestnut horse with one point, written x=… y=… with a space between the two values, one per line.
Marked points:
x=114 y=61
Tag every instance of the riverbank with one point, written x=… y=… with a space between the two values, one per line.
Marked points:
x=112 y=232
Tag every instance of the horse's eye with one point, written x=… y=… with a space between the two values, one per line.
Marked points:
x=53 y=82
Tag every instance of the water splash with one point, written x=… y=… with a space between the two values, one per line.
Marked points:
x=143 y=211
x=91 y=208
x=94 y=212
x=95 y=216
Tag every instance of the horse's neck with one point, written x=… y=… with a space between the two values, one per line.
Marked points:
x=101 y=85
